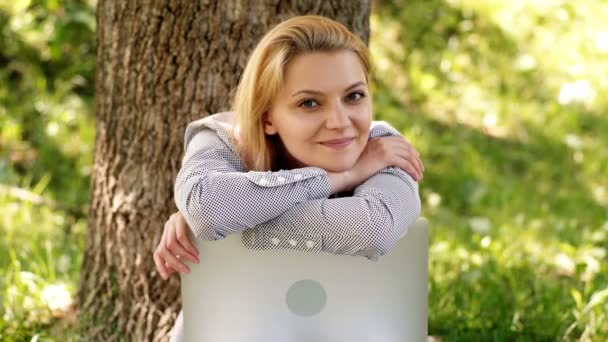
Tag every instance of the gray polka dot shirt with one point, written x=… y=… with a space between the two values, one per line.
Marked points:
x=289 y=209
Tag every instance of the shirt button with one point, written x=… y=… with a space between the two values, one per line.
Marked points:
x=298 y=176
x=293 y=242
x=310 y=244
x=263 y=181
x=275 y=241
x=281 y=179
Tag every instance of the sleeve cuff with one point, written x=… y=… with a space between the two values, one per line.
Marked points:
x=313 y=178
x=319 y=186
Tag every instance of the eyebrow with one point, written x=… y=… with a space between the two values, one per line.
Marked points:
x=316 y=92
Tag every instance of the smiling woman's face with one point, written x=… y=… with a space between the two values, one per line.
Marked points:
x=324 y=97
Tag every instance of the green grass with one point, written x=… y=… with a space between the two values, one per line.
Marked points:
x=515 y=187
x=40 y=257
x=502 y=99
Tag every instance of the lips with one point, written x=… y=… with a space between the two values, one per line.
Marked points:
x=338 y=142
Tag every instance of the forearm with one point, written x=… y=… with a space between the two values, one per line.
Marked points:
x=368 y=224
x=216 y=204
x=340 y=182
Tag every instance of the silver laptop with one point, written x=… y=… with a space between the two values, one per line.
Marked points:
x=243 y=295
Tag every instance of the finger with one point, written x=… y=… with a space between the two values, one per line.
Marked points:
x=403 y=155
x=408 y=166
x=161 y=266
x=171 y=269
x=413 y=149
x=418 y=160
x=182 y=240
x=414 y=157
x=412 y=163
x=168 y=256
x=157 y=255
x=176 y=247
x=418 y=157
x=418 y=163
x=175 y=263
x=182 y=236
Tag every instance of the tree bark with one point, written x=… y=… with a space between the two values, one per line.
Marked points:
x=160 y=65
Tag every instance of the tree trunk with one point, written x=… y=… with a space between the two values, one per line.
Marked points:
x=160 y=65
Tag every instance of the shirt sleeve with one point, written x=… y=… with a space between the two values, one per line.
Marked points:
x=217 y=200
x=367 y=224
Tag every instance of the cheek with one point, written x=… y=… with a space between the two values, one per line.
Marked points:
x=362 y=116
x=366 y=117
x=293 y=138
x=298 y=143
x=298 y=132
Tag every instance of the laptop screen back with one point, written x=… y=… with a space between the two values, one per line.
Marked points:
x=240 y=294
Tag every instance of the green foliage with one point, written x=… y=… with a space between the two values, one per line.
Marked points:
x=502 y=99
x=47 y=64
x=40 y=260
x=47 y=61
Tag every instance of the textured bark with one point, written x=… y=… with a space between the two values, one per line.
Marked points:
x=160 y=64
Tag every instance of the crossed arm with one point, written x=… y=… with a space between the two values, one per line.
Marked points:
x=217 y=200
x=215 y=197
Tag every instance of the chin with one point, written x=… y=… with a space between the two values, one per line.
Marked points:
x=338 y=166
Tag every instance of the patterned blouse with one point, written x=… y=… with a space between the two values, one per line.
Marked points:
x=289 y=209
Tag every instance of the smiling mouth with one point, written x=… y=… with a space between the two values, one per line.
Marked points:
x=338 y=144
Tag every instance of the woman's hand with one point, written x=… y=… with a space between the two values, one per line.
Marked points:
x=174 y=245
x=379 y=153
x=388 y=151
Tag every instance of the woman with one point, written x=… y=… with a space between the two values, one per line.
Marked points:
x=298 y=163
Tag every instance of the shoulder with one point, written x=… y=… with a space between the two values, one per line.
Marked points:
x=381 y=129
x=213 y=128
x=211 y=136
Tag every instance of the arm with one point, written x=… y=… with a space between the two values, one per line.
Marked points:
x=217 y=200
x=367 y=224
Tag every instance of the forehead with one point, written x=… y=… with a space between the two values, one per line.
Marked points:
x=324 y=71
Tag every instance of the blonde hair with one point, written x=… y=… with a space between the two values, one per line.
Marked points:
x=263 y=77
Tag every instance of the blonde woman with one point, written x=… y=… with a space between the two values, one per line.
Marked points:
x=298 y=155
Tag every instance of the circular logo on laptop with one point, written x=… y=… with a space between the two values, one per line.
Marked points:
x=306 y=297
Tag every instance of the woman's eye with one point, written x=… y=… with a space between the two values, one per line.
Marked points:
x=309 y=104
x=355 y=96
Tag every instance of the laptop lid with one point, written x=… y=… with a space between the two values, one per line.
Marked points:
x=239 y=294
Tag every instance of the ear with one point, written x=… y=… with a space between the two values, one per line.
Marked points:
x=269 y=127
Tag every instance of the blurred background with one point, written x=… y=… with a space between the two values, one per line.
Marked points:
x=503 y=99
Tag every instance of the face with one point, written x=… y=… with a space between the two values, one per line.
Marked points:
x=323 y=111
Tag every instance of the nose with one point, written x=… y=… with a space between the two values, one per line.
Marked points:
x=338 y=117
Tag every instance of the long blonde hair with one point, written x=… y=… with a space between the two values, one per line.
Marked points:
x=263 y=76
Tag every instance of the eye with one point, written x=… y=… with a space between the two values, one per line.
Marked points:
x=354 y=96
x=308 y=103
